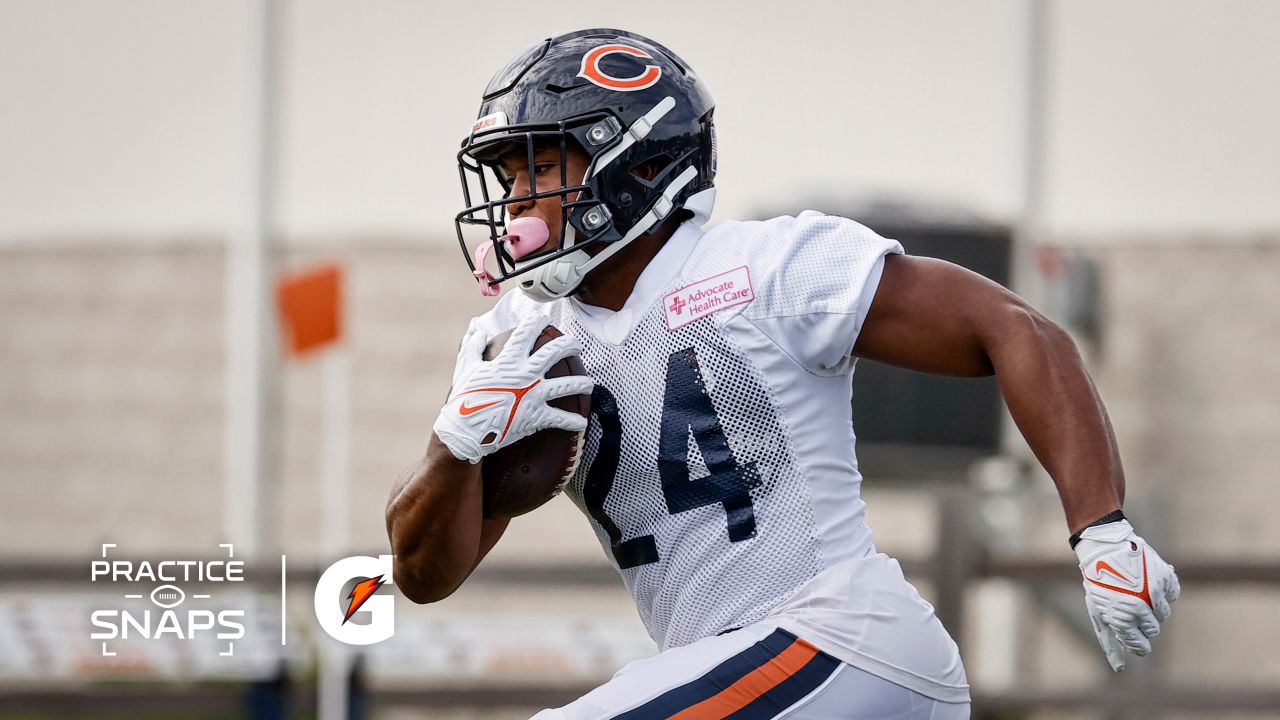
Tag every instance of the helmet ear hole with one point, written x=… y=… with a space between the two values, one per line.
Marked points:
x=651 y=167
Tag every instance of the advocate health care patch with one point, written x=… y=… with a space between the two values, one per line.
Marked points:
x=704 y=297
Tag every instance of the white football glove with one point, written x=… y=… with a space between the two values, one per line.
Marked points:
x=1128 y=589
x=500 y=401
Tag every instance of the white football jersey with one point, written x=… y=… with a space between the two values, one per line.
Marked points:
x=719 y=471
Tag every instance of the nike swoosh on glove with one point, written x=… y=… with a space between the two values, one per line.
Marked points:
x=501 y=401
x=1128 y=589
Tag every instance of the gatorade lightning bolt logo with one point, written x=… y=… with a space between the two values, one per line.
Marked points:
x=360 y=593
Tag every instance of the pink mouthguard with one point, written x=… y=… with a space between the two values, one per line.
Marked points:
x=524 y=236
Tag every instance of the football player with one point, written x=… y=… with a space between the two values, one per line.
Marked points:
x=719 y=471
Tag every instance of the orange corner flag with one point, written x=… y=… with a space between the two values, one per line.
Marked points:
x=310 y=308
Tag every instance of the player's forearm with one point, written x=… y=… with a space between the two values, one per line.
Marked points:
x=434 y=524
x=1058 y=410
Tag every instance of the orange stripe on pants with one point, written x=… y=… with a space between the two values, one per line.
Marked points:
x=752 y=685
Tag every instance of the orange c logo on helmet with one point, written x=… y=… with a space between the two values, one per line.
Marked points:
x=592 y=72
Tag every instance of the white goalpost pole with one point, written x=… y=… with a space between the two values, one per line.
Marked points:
x=249 y=331
x=336 y=437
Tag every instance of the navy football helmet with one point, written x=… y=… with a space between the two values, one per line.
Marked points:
x=625 y=101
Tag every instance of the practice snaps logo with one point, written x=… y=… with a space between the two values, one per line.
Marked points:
x=160 y=613
x=334 y=608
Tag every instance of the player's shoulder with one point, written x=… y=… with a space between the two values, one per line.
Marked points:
x=766 y=242
x=804 y=280
x=801 y=254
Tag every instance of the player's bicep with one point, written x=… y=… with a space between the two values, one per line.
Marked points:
x=932 y=316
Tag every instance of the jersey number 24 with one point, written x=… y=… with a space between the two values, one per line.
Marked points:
x=686 y=409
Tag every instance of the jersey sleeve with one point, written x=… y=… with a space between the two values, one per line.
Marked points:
x=818 y=288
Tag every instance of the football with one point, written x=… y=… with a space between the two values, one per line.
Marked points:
x=528 y=473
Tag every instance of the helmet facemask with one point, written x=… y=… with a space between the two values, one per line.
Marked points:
x=584 y=219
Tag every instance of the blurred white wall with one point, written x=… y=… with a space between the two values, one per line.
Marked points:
x=119 y=118
x=1164 y=118
x=124 y=118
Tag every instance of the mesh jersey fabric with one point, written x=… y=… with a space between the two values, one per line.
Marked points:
x=719 y=471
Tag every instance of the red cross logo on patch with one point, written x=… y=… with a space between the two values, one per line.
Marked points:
x=677 y=305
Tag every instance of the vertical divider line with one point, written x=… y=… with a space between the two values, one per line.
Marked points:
x=283 y=622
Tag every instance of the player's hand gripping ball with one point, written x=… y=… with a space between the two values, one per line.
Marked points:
x=1128 y=589
x=519 y=405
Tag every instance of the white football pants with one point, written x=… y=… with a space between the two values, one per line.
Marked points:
x=756 y=673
